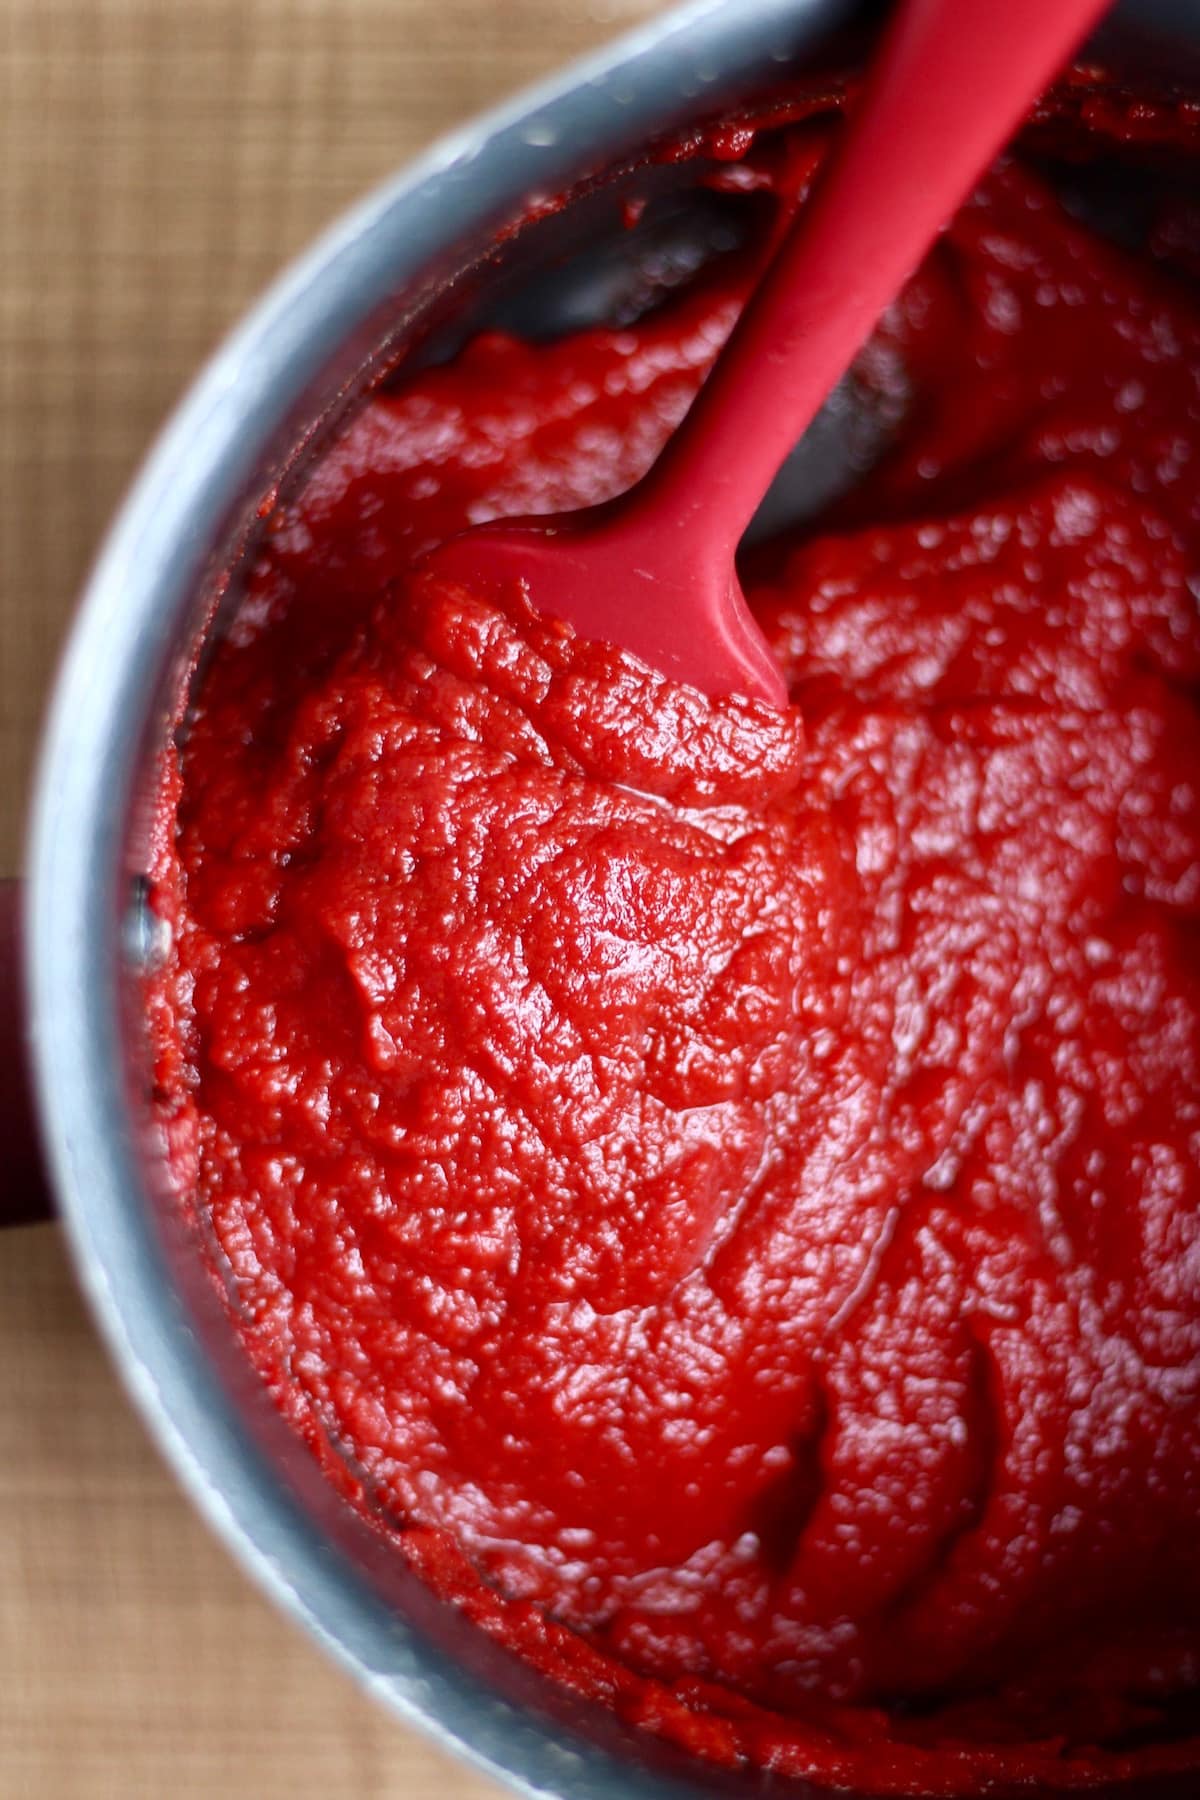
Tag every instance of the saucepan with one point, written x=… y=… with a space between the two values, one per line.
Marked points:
x=408 y=272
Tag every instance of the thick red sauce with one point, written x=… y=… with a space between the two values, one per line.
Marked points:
x=725 y=1183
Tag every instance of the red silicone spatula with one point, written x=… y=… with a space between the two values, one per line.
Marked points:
x=653 y=570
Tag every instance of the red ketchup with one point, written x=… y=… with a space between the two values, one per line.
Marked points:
x=722 y=1188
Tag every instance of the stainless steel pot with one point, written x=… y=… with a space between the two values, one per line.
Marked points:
x=374 y=283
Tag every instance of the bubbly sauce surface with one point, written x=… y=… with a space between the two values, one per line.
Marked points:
x=727 y=1183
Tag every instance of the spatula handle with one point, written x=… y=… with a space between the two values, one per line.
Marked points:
x=950 y=83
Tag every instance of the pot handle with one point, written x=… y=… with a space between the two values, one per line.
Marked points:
x=24 y=1188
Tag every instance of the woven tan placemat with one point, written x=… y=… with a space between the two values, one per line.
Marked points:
x=159 y=159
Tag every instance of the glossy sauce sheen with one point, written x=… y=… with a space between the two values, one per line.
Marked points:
x=725 y=1183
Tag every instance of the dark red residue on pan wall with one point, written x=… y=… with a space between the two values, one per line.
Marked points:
x=728 y=1181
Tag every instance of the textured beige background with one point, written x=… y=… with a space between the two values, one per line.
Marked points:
x=158 y=160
